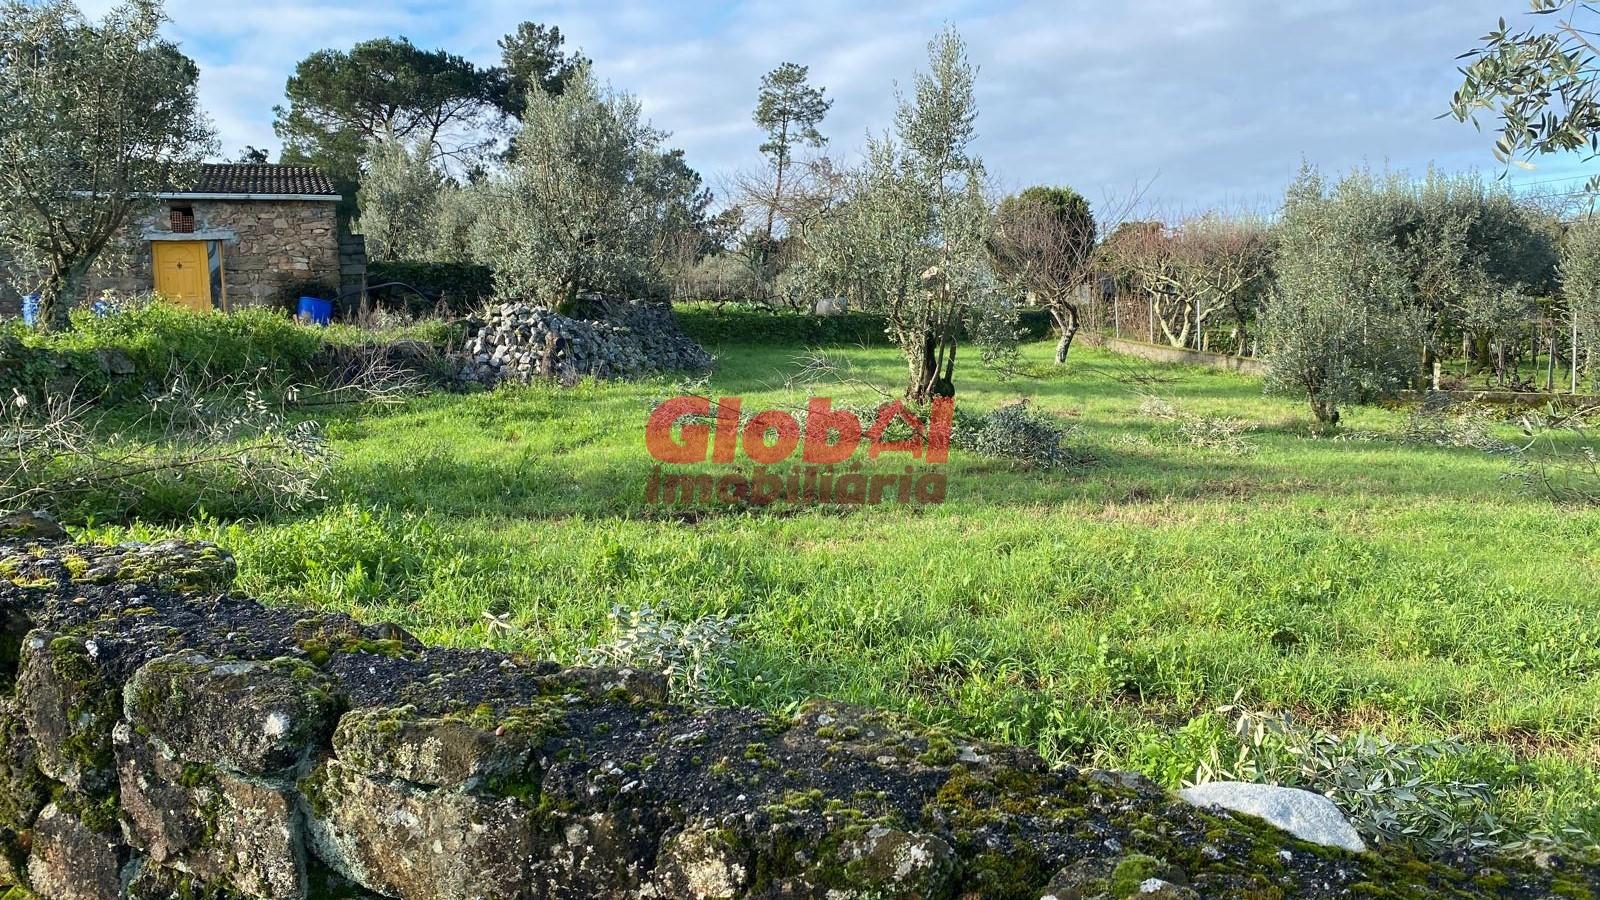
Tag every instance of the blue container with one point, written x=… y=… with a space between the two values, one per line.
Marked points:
x=31 y=305
x=316 y=310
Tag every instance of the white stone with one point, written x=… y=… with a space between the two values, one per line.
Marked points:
x=1307 y=816
x=277 y=725
x=971 y=755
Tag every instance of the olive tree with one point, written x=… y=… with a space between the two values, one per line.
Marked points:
x=1580 y=288
x=910 y=237
x=1044 y=247
x=400 y=203
x=1473 y=254
x=99 y=118
x=1542 y=81
x=1342 y=325
x=581 y=205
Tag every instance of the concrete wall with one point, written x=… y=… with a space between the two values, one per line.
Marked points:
x=271 y=249
x=1165 y=354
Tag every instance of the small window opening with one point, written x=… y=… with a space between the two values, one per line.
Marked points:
x=183 y=219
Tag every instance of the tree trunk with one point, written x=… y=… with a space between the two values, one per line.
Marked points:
x=569 y=297
x=1550 y=364
x=58 y=295
x=1067 y=322
x=1482 y=354
x=1326 y=411
x=928 y=378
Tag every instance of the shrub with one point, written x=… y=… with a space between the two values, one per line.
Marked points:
x=163 y=339
x=458 y=288
x=710 y=326
x=692 y=655
x=159 y=341
x=36 y=372
x=1015 y=431
x=163 y=344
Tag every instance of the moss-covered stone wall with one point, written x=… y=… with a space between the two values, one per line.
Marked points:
x=161 y=737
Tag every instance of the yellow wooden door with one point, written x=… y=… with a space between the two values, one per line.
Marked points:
x=181 y=273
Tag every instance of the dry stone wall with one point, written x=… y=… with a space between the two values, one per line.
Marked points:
x=163 y=737
x=607 y=338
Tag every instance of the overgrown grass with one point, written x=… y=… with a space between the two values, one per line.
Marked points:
x=1100 y=613
x=163 y=342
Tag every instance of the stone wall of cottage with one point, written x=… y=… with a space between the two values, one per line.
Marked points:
x=273 y=250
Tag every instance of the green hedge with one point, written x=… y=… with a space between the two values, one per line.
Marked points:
x=462 y=286
x=1035 y=325
x=36 y=372
x=711 y=326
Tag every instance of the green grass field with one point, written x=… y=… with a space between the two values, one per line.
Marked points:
x=1100 y=614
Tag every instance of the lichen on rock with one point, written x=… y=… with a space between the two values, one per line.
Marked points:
x=251 y=717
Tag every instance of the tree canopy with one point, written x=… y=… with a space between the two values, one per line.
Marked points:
x=585 y=199
x=910 y=238
x=532 y=59
x=1044 y=246
x=340 y=103
x=99 y=118
x=400 y=203
x=788 y=109
x=1343 y=324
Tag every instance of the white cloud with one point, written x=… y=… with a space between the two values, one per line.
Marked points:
x=1221 y=98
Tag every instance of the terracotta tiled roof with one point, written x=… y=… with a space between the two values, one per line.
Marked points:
x=253 y=178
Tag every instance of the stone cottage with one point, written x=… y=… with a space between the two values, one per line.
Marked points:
x=242 y=235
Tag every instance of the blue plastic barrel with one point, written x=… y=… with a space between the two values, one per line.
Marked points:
x=31 y=304
x=316 y=310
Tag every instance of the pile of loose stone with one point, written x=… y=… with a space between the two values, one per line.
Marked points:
x=162 y=737
x=606 y=338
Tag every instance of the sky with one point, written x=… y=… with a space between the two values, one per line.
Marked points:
x=1196 y=104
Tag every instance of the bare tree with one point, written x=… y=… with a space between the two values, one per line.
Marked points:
x=1206 y=266
x=1224 y=266
x=1045 y=247
x=814 y=188
x=1143 y=256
